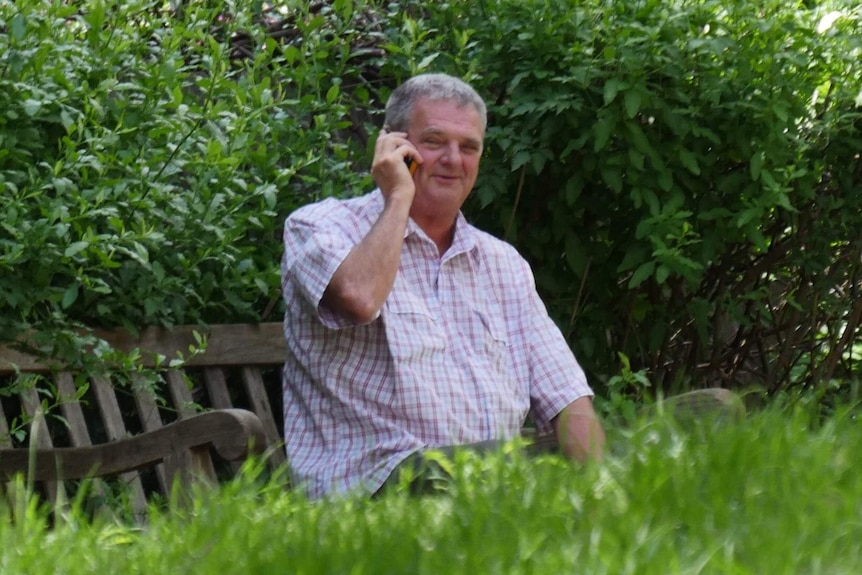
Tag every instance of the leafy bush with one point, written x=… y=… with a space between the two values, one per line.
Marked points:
x=684 y=177
x=148 y=157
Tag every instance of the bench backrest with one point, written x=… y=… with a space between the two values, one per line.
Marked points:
x=240 y=368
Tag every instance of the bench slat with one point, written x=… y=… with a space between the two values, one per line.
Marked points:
x=227 y=345
x=217 y=391
x=198 y=459
x=40 y=434
x=38 y=426
x=217 y=388
x=71 y=410
x=5 y=443
x=115 y=429
x=109 y=408
x=181 y=395
x=148 y=413
x=5 y=437
x=254 y=387
x=76 y=422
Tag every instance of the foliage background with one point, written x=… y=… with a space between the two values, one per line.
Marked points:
x=684 y=176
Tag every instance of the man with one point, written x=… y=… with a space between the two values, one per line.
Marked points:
x=409 y=329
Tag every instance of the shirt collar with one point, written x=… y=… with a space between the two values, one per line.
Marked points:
x=465 y=235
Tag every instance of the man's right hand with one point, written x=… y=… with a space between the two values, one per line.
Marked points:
x=389 y=169
x=364 y=279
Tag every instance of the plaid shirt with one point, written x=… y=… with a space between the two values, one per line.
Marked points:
x=461 y=351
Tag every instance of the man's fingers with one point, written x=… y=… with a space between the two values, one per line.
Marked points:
x=390 y=141
x=396 y=144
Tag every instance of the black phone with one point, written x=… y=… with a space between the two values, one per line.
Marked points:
x=411 y=165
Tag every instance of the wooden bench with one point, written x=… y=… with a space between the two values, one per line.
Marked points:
x=223 y=403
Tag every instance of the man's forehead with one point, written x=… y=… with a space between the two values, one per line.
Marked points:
x=443 y=110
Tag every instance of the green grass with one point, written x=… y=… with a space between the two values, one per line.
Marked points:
x=777 y=493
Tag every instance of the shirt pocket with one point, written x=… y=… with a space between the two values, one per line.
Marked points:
x=492 y=341
x=412 y=332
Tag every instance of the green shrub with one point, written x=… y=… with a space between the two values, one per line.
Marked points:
x=148 y=157
x=684 y=177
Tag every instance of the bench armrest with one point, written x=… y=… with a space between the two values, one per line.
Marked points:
x=234 y=433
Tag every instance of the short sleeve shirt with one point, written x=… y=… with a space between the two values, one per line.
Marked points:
x=462 y=351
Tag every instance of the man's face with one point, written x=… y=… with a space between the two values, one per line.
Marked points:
x=449 y=139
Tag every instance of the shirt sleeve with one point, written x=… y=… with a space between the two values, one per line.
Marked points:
x=556 y=377
x=317 y=239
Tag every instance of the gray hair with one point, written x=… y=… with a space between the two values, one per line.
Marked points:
x=433 y=87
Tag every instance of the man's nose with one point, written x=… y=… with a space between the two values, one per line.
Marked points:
x=452 y=154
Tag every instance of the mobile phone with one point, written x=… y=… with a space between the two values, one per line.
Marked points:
x=411 y=165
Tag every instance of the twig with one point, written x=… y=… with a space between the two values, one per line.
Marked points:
x=517 y=201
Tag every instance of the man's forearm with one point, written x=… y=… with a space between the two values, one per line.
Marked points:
x=364 y=279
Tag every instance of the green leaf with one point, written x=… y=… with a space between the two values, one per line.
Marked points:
x=632 y=103
x=523 y=108
x=32 y=107
x=714 y=214
x=756 y=165
x=270 y=195
x=685 y=262
x=689 y=161
x=757 y=237
x=66 y=120
x=783 y=201
x=332 y=94
x=70 y=295
x=96 y=19
x=636 y=159
x=613 y=177
x=427 y=61
x=142 y=252
x=635 y=256
x=644 y=271
x=18 y=27
x=75 y=248
x=291 y=54
x=521 y=158
x=540 y=159
x=665 y=180
x=96 y=15
x=639 y=139
x=261 y=285
x=575 y=144
x=576 y=255
x=602 y=130
x=748 y=215
x=661 y=274
x=610 y=90
x=574 y=187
